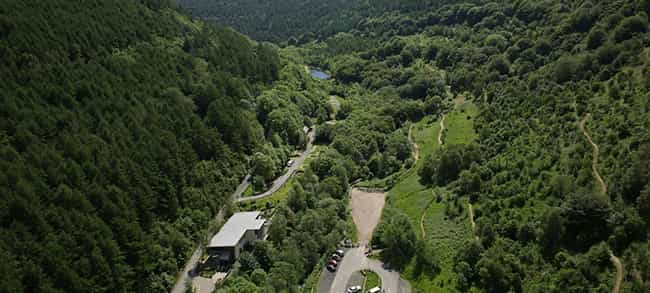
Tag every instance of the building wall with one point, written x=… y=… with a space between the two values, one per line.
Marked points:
x=249 y=237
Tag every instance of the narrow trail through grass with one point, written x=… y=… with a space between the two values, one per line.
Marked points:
x=603 y=189
x=424 y=212
x=416 y=148
x=471 y=219
x=442 y=129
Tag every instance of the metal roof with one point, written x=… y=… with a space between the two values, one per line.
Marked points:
x=235 y=228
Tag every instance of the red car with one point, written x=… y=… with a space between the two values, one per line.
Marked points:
x=332 y=262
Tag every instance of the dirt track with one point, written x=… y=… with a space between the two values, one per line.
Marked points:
x=416 y=148
x=471 y=219
x=603 y=188
x=366 y=212
x=594 y=164
x=442 y=129
x=619 y=272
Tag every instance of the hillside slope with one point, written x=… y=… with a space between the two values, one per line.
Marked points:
x=123 y=127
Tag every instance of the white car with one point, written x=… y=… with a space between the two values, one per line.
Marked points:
x=375 y=290
x=353 y=289
x=290 y=163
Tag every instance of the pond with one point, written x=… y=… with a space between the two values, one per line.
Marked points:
x=318 y=74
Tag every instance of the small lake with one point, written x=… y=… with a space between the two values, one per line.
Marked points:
x=315 y=73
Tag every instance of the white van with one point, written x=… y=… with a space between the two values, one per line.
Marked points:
x=375 y=290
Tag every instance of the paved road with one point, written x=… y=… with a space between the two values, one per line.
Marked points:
x=179 y=287
x=366 y=213
x=277 y=183
x=355 y=260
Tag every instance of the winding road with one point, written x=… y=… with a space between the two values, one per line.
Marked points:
x=603 y=188
x=184 y=276
x=278 y=182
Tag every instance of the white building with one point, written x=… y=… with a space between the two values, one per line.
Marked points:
x=240 y=229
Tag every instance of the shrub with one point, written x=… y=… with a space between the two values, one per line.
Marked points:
x=629 y=27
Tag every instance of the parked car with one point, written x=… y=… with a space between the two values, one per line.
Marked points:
x=353 y=289
x=339 y=252
x=332 y=262
x=331 y=268
x=375 y=290
x=335 y=257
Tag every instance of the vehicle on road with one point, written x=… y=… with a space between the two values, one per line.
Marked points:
x=289 y=163
x=335 y=257
x=332 y=262
x=331 y=268
x=375 y=290
x=353 y=289
x=340 y=253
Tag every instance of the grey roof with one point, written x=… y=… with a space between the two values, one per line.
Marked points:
x=233 y=230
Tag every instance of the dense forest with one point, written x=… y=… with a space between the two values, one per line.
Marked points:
x=296 y=21
x=125 y=126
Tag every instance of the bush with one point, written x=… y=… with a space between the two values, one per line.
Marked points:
x=565 y=69
x=596 y=38
x=629 y=27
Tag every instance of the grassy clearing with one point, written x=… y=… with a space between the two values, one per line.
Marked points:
x=248 y=192
x=459 y=124
x=370 y=281
x=443 y=233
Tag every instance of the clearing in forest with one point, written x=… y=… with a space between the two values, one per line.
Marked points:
x=419 y=202
x=366 y=212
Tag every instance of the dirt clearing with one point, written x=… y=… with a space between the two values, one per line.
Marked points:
x=366 y=212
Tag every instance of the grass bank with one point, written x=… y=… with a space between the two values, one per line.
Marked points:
x=421 y=205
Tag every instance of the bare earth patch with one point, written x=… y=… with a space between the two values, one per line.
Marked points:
x=366 y=212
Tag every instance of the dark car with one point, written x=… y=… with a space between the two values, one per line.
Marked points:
x=331 y=268
x=335 y=257
x=339 y=253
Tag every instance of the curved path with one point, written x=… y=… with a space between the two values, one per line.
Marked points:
x=471 y=219
x=594 y=164
x=424 y=234
x=619 y=272
x=191 y=263
x=416 y=148
x=278 y=182
x=442 y=129
x=603 y=188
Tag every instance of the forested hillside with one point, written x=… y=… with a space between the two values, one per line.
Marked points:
x=296 y=21
x=538 y=71
x=124 y=127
